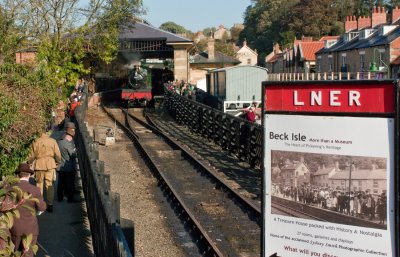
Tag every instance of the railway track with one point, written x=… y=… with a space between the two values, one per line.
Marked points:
x=223 y=222
x=292 y=212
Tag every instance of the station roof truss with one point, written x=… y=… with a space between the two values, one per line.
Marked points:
x=149 y=41
x=145 y=45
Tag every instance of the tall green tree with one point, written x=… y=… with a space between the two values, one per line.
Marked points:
x=63 y=33
x=264 y=22
x=173 y=27
x=313 y=18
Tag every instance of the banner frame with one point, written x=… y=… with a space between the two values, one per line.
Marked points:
x=395 y=115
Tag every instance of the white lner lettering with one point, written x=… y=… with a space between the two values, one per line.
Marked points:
x=316 y=98
x=333 y=98
x=354 y=98
x=296 y=101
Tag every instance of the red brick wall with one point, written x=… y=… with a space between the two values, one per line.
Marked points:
x=363 y=22
x=395 y=14
x=378 y=16
x=25 y=57
x=350 y=24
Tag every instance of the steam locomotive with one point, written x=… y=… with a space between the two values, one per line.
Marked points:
x=142 y=84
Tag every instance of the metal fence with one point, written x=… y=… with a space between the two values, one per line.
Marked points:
x=238 y=136
x=103 y=206
x=327 y=76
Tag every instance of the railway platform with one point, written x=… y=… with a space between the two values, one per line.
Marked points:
x=65 y=232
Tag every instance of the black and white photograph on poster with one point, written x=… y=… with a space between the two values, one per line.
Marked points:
x=329 y=192
x=340 y=189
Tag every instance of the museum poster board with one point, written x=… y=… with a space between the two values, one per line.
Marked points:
x=330 y=169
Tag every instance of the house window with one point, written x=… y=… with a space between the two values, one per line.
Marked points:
x=360 y=183
x=375 y=191
x=375 y=183
x=344 y=60
x=343 y=182
x=362 y=65
x=248 y=61
x=332 y=183
x=319 y=63
x=381 y=55
x=330 y=65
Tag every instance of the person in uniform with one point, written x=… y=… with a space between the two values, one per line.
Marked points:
x=67 y=168
x=45 y=155
x=27 y=222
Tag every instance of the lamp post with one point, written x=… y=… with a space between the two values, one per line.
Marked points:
x=373 y=67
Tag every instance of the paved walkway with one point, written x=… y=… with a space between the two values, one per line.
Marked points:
x=65 y=232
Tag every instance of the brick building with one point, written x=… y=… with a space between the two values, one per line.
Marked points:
x=369 y=44
x=27 y=56
x=208 y=60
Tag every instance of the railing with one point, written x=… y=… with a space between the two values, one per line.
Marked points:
x=238 y=136
x=234 y=106
x=327 y=76
x=103 y=206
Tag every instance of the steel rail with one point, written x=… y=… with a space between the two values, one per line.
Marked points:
x=244 y=201
x=209 y=248
x=290 y=211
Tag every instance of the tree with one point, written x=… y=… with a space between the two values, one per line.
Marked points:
x=208 y=31
x=174 y=28
x=320 y=18
x=235 y=34
x=63 y=34
x=264 y=21
x=225 y=48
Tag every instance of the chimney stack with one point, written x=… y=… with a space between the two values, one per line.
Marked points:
x=395 y=14
x=350 y=24
x=363 y=22
x=211 y=48
x=378 y=16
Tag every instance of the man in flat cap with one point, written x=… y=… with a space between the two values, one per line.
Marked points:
x=45 y=155
x=27 y=223
x=67 y=168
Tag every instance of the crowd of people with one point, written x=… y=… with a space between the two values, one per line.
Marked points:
x=50 y=161
x=361 y=204
x=183 y=88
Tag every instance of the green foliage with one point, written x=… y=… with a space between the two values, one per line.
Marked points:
x=235 y=34
x=225 y=48
x=270 y=21
x=29 y=93
x=174 y=28
x=11 y=197
x=320 y=18
x=25 y=103
x=208 y=31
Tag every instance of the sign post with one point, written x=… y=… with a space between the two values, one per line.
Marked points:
x=330 y=184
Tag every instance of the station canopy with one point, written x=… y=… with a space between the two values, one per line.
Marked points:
x=143 y=40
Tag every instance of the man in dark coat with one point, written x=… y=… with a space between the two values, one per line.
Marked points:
x=27 y=222
x=67 y=170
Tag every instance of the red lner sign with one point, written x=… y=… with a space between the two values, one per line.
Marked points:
x=331 y=97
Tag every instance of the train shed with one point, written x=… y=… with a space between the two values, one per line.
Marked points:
x=237 y=85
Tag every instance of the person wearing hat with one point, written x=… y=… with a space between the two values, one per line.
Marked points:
x=45 y=155
x=27 y=222
x=67 y=169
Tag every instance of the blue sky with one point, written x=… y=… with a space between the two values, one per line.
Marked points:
x=196 y=15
